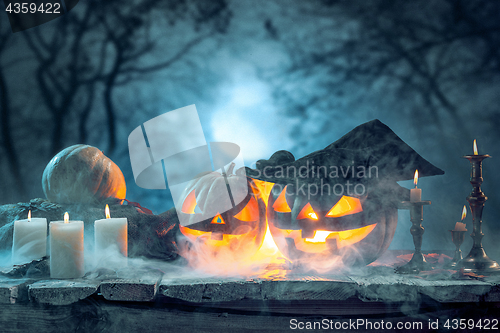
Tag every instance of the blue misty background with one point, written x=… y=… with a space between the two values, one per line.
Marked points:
x=266 y=75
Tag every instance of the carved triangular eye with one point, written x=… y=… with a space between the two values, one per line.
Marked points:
x=280 y=205
x=218 y=220
x=190 y=206
x=250 y=213
x=345 y=206
x=307 y=213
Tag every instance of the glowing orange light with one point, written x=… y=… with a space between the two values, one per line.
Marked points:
x=191 y=233
x=319 y=236
x=344 y=238
x=280 y=205
x=244 y=252
x=250 y=212
x=345 y=206
x=66 y=217
x=464 y=213
x=307 y=212
x=211 y=240
x=415 y=178
x=106 y=211
x=475 y=148
x=348 y=237
x=218 y=220
x=262 y=189
x=234 y=253
x=29 y=215
x=269 y=247
x=189 y=204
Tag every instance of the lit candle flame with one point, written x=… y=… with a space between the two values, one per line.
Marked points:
x=464 y=213
x=313 y=216
x=66 y=217
x=106 y=210
x=415 y=178
x=475 y=147
x=29 y=215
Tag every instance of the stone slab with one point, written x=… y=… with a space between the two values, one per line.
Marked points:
x=132 y=286
x=14 y=290
x=62 y=292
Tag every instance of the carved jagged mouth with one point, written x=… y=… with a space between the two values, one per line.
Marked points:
x=219 y=239
x=323 y=239
x=352 y=236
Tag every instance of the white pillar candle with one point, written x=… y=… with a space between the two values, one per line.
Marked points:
x=66 y=249
x=459 y=226
x=110 y=232
x=415 y=193
x=30 y=239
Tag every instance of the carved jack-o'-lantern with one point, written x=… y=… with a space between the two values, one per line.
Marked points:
x=239 y=229
x=340 y=203
x=326 y=227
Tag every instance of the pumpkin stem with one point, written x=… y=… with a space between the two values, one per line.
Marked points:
x=230 y=168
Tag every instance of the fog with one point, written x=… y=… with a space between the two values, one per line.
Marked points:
x=266 y=76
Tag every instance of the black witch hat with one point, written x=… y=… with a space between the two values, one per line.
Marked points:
x=371 y=147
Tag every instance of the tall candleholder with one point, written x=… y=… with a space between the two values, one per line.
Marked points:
x=477 y=261
x=417 y=262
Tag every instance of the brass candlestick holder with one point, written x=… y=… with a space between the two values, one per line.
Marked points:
x=457 y=237
x=477 y=261
x=417 y=262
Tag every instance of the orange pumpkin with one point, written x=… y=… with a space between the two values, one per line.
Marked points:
x=82 y=174
x=211 y=228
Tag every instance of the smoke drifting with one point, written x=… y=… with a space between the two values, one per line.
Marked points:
x=243 y=253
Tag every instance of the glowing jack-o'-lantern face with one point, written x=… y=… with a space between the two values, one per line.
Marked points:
x=240 y=229
x=356 y=229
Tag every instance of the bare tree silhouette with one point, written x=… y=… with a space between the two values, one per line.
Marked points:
x=69 y=63
x=6 y=140
x=77 y=61
x=426 y=53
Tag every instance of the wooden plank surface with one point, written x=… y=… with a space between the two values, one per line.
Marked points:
x=143 y=286
x=151 y=301
x=132 y=285
x=458 y=291
x=62 y=292
x=232 y=289
x=335 y=290
x=374 y=283
x=371 y=284
x=14 y=290
x=95 y=314
x=386 y=288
